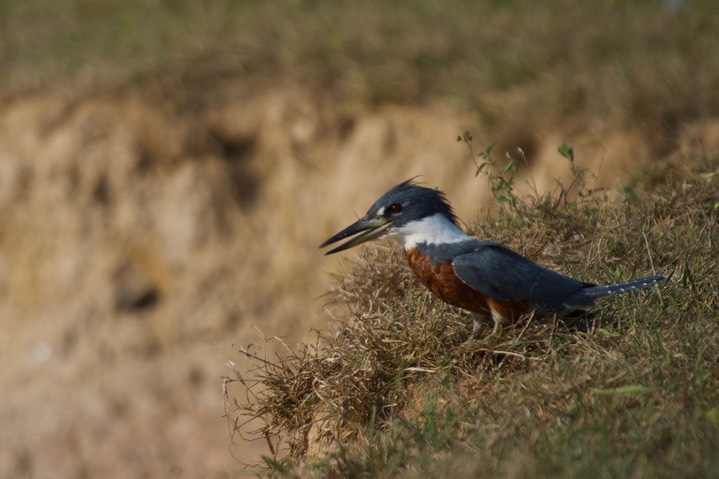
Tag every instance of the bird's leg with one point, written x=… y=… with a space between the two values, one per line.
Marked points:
x=498 y=320
x=480 y=324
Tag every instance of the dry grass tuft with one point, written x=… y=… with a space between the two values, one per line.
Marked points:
x=391 y=388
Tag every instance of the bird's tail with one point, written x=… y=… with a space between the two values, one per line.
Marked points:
x=587 y=295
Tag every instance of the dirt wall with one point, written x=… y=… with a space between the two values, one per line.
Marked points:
x=139 y=241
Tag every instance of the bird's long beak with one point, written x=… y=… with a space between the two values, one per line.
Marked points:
x=372 y=227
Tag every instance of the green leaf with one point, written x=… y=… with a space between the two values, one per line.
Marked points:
x=630 y=389
x=712 y=415
x=566 y=151
x=487 y=152
x=276 y=466
x=466 y=137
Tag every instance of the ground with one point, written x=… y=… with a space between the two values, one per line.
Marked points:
x=167 y=171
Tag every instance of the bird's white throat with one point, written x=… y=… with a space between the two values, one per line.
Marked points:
x=435 y=229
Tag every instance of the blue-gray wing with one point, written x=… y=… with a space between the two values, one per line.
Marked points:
x=500 y=273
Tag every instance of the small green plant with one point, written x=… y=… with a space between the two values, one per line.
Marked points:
x=278 y=468
x=500 y=176
x=580 y=181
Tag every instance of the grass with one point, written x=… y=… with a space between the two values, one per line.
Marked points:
x=633 y=393
x=387 y=391
x=631 y=65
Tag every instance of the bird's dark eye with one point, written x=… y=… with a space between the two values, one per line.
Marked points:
x=393 y=209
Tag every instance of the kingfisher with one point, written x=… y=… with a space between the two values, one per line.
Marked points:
x=497 y=285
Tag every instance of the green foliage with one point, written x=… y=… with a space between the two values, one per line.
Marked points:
x=501 y=179
x=282 y=469
x=500 y=176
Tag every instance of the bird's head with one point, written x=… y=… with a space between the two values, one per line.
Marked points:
x=394 y=213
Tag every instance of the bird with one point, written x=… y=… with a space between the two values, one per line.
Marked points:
x=495 y=284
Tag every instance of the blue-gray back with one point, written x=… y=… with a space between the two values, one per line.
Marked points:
x=500 y=273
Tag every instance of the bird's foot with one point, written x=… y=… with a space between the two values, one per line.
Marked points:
x=481 y=334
